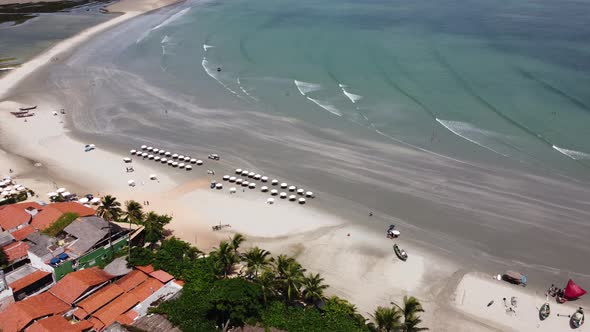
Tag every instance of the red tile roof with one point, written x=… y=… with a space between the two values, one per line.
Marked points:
x=163 y=276
x=80 y=313
x=100 y=298
x=58 y=323
x=131 y=280
x=108 y=314
x=146 y=289
x=47 y=216
x=146 y=269
x=22 y=233
x=75 y=284
x=98 y=325
x=28 y=280
x=14 y=215
x=74 y=207
x=20 y=314
x=16 y=250
x=128 y=318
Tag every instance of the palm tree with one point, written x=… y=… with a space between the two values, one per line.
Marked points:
x=291 y=279
x=236 y=241
x=388 y=319
x=256 y=259
x=267 y=284
x=410 y=311
x=154 y=227
x=133 y=213
x=224 y=258
x=313 y=289
x=281 y=264
x=109 y=208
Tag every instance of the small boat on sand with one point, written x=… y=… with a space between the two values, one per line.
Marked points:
x=545 y=311
x=577 y=319
x=400 y=253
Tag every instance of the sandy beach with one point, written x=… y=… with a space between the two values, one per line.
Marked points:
x=453 y=213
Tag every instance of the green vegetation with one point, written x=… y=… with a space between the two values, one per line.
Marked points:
x=3 y=259
x=62 y=222
x=229 y=289
x=109 y=208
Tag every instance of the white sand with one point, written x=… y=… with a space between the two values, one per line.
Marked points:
x=475 y=291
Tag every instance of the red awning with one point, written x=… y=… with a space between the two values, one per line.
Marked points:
x=573 y=291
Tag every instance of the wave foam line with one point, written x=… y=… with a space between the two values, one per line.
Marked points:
x=327 y=107
x=212 y=74
x=171 y=19
x=459 y=129
x=351 y=96
x=306 y=87
x=573 y=154
x=245 y=91
x=206 y=47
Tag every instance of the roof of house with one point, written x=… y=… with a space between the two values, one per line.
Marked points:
x=88 y=231
x=162 y=276
x=109 y=313
x=6 y=238
x=22 y=233
x=16 y=250
x=39 y=243
x=131 y=280
x=146 y=288
x=98 y=325
x=47 y=216
x=146 y=269
x=100 y=298
x=74 y=207
x=58 y=323
x=155 y=322
x=75 y=284
x=20 y=314
x=28 y=280
x=14 y=215
x=128 y=318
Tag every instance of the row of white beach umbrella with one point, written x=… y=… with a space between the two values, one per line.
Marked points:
x=165 y=157
x=274 y=182
x=59 y=192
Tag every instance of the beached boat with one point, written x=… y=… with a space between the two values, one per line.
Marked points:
x=26 y=109
x=577 y=319
x=19 y=112
x=545 y=311
x=401 y=253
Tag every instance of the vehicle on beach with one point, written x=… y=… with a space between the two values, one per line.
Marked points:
x=545 y=311
x=400 y=253
x=213 y=156
x=89 y=147
x=514 y=277
x=577 y=319
x=392 y=233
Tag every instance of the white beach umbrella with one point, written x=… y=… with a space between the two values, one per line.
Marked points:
x=64 y=194
x=252 y=185
x=144 y=154
x=9 y=188
x=132 y=151
x=181 y=165
x=193 y=161
x=274 y=182
x=264 y=178
x=239 y=181
x=156 y=158
x=60 y=190
x=251 y=174
x=162 y=152
x=264 y=189
x=270 y=201
x=149 y=148
x=153 y=177
x=274 y=192
x=257 y=176
x=300 y=191
x=232 y=179
x=5 y=193
x=219 y=186
x=225 y=177
x=187 y=159
x=292 y=188
x=309 y=194
x=188 y=167
x=238 y=171
x=181 y=157
x=245 y=183
x=95 y=200
x=156 y=150
x=21 y=189
x=143 y=147
x=232 y=190
x=175 y=156
x=284 y=185
x=302 y=200
x=245 y=173
x=170 y=162
x=175 y=164
x=199 y=162
x=292 y=197
x=164 y=160
x=167 y=154
x=51 y=194
x=87 y=205
x=283 y=195
x=150 y=156
x=130 y=182
x=83 y=200
x=127 y=160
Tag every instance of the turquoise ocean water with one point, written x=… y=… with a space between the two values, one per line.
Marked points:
x=498 y=81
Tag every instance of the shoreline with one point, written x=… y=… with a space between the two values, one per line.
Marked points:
x=342 y=263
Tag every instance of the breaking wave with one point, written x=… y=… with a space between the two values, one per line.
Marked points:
x=573 y=154
x=353 y=97
x=213 y=74
x=171 y=19
x=468 y=132
x=306 y=87
x=206 y=47
x=245 y=91
x=328 y=107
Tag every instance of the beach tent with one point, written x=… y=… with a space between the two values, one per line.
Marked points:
x=573 y=291
x=270 y=201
